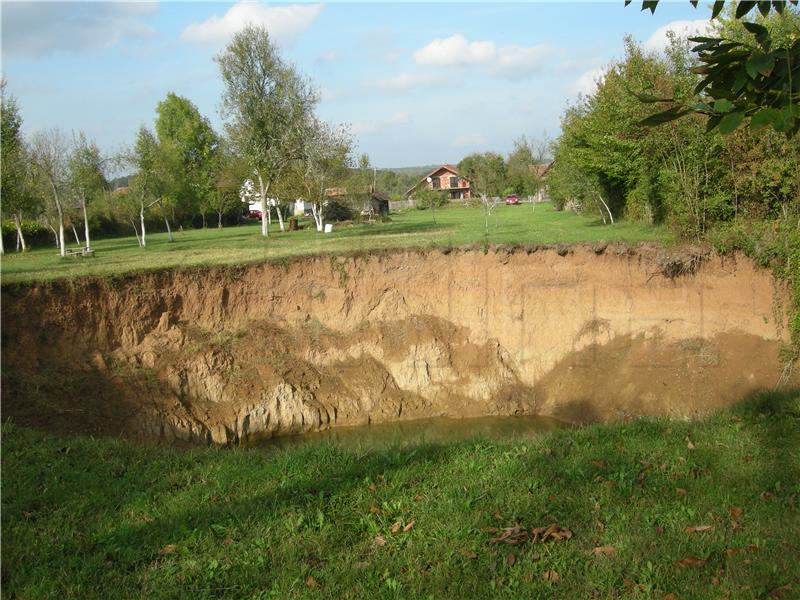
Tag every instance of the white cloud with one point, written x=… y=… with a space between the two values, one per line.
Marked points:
x=284 y=23
x=38 y=28
x=376 y=126
x=587 y=82
x=326 y=57
x=404 y=81
x=469 y=140
x=660 y=41
x=518 y=60
x=455 y=50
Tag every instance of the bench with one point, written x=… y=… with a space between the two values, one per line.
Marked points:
x=82 y=252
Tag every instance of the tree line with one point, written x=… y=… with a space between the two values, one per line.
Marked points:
x=273 y=148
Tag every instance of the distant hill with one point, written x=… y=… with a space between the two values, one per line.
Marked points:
x=416 y=171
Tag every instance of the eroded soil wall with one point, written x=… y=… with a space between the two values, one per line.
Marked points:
x=585 y=333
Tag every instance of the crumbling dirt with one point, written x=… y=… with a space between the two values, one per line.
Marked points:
x=222 y=355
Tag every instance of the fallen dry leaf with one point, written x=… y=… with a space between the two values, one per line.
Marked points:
x=605 y=551
x=469 y=554
x=536 y=556
x=509 y=535
x=691 y=562
x=511 y=559
x=699 y=529
x=551 y=576
x=168 y=549
x=671 y=597
x=380 y=540
x=551 y=532
x=680 y=492
x=227 y=541
x=736 y=526
x=410 y=525
x=375 y=510
x=361 y=565
x=311 y=582
x=689 y=444
x=735 y=512
x=780 y=591
x=418 y=498
x=396 y=527
x=632 y=585
x=598 y=463
x=601 y=527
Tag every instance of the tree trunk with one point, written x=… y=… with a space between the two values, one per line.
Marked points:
x=136 y=232
x=610 y=216
x=75 y=233
x=203 y=215
x=55 y=235
x=219 y=219
x=264 y=208
x=141 y=223
x=62 y=246
x=280 y=215
x=169 y=231
x=316 y=212
x=20 y=236
x=85 y=222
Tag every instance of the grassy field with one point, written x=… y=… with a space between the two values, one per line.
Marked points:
x=244 y=244
x=656 y=509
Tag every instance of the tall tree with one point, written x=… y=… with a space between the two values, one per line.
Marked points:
x=86 y=177
x=266 y=104
x=155 y=163
x=180 y=126
x=326 y=164
x=17 y=188
x=49 y=152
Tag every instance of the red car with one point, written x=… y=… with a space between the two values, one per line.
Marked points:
x=512 y=199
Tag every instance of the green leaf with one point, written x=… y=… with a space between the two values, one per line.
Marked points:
x=650 y=4
x=778 y=6
x=723 y=106
x=713 y=122
x=743 y=8
x=650 y=99
x=761 y=32
x=730 y=122
x=718 y=6
x=666 y=116
x=764 y=118
x=760 y=62
x=784 y=122
x=764 y=7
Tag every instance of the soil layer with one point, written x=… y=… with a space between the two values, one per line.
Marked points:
x=582 y=333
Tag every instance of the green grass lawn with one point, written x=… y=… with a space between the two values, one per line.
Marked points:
x=244 y=244
x=697 y=510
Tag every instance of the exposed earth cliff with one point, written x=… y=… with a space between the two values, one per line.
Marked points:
x=583 y=333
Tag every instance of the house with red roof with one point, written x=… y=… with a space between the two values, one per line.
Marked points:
x=445 y=178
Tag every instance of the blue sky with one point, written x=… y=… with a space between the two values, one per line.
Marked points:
x=418 y=83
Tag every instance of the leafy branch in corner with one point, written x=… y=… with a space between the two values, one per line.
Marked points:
x=757 y=79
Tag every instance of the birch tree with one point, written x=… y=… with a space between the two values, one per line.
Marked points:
x=326 y=163
x=154 y=163
x=86 y=176
x=49 y=151
x=266 y=105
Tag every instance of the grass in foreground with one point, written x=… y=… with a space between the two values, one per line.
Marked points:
x=454 y=226
x=99 y=519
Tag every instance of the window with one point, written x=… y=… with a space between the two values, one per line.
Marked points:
x=454 y=182
x=435 y=183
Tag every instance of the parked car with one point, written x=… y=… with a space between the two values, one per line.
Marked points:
x=512 y=199
x=254 y=214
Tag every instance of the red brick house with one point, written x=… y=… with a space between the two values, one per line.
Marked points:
x=445 y=178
